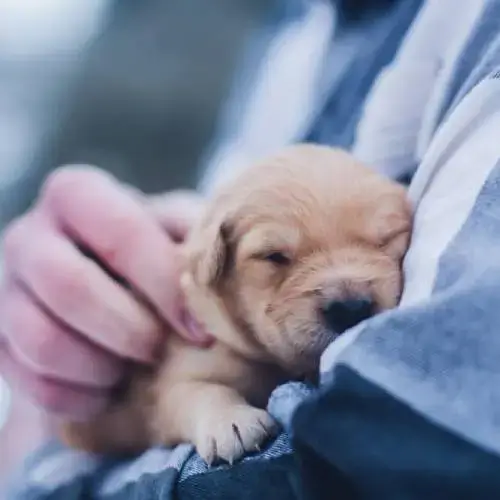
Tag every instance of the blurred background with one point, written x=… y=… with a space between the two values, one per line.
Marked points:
x=134 y=87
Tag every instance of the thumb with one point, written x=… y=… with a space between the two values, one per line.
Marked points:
x=177 y=211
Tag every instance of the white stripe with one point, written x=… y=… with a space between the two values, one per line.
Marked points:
x=61 y=468
x=408 y=90
x=154 y=461
x=285 y=94
x=449 y=180
x=459 y=161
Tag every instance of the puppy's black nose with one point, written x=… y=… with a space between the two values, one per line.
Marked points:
x=340 y=315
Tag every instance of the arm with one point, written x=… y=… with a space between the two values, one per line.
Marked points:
x=67 y=325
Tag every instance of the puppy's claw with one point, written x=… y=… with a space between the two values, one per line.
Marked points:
x=264 y=428
x=234 y=432
x=238 y=435
x=209 y=451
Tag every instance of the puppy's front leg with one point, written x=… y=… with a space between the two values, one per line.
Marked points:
x=215 y=418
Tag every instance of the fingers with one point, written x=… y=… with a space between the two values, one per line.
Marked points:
x=77 y=292
x=48 y=348
x=113 y=224
x=58 y=398
x=67 y=320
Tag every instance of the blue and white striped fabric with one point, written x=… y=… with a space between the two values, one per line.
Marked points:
x=305 y=77
x=409 y=406
x=57 y=472
x=278 y=87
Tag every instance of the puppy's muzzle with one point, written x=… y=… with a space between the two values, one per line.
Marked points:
x=340 y=315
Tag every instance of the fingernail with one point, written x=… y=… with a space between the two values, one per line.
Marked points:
x=194 y=329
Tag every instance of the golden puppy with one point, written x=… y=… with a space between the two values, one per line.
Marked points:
x=289 y=255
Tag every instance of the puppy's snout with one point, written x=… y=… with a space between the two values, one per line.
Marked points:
x=340 y=315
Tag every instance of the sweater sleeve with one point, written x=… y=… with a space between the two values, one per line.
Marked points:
x=405 y=92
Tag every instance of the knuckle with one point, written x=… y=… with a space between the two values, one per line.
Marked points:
x=124 y=233
x=31 y=330
x=60 y=182
x=137 y=344
x=65 y=282
x=51 y=397
x=69 y=286
x=42 y=348
x=13 y=238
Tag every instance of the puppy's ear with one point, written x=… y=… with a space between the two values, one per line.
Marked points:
x=392 y=224
x=208 y=253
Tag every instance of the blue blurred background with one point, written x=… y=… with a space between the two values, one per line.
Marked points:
x=134 y=87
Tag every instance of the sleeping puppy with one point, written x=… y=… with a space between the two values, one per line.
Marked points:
x=288 y=256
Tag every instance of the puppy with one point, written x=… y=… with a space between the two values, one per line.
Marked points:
x=289 y=255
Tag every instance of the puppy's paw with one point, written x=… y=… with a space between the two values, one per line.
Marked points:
x=232 y=432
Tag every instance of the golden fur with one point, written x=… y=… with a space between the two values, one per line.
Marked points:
x=305 y=227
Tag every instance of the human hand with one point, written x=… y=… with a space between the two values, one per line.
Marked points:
x=90 y=280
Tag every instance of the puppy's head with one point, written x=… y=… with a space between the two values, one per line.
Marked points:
x=296 y=251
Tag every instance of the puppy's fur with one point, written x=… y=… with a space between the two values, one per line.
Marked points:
x=287 y=237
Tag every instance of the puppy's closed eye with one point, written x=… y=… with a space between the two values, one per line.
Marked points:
x=390 y=223
x=275 y=257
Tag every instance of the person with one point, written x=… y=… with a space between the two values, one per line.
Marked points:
x=331 y=51
x=408 y=405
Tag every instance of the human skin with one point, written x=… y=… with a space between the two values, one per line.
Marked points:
x=70 y=320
